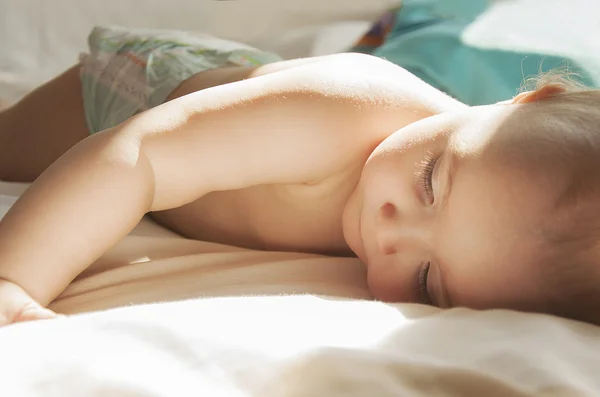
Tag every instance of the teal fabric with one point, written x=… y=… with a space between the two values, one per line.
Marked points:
x=426 y=40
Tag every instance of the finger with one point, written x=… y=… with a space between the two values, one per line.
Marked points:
x=4 y=320
x=34 y=312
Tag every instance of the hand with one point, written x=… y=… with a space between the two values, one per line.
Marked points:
x=16 y=305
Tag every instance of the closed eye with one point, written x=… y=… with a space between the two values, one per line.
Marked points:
x=424 y=296
x=424 y=177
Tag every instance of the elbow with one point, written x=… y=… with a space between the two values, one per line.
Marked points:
x=115 y=161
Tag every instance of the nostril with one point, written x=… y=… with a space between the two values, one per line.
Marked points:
x=387 y=249
x=388 y=210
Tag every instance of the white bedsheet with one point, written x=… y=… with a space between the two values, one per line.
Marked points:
x=299 y=346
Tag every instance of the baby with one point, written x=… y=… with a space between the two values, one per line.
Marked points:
x=449 y=205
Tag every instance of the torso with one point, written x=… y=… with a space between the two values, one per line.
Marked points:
x=301 y=218
x=305 y=218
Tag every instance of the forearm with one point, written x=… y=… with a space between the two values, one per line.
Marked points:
x=78 y=209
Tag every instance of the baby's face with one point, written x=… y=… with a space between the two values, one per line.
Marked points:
x=437 y=220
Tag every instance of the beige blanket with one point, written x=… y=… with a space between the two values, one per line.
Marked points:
x=271 y=345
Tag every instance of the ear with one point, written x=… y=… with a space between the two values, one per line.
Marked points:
x=545 y=92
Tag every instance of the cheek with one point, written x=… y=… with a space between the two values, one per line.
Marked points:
x=485 y=241
x=474 y=243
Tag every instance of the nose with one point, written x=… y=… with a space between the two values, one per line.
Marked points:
x=396 y=231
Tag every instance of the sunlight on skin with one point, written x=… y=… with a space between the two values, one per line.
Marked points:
x=471 y=142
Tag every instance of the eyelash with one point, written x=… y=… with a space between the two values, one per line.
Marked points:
x=422 y=283
x=425 y=175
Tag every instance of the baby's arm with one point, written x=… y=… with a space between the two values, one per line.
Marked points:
x=278 y=128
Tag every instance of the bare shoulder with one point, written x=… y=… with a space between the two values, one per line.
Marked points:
x=364 y=81
x=300 y=122
x=386 y=85
x=225 y=75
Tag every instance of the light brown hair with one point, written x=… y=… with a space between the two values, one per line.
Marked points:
x=562 y=124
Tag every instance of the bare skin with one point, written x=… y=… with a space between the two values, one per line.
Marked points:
x=218 y=162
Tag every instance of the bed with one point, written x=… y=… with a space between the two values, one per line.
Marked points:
x=160 y=315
